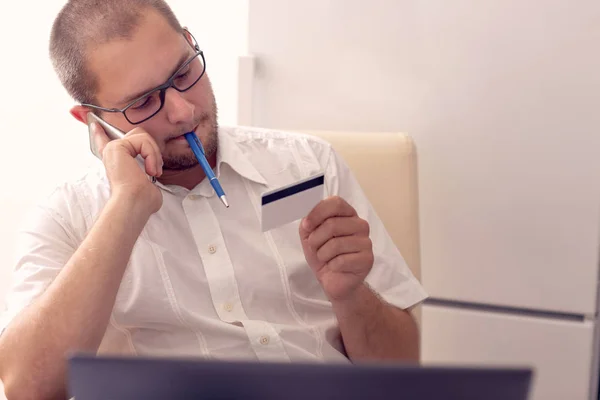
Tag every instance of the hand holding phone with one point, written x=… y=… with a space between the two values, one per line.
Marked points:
x=121 y=157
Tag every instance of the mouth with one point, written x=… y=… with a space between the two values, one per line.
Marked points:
x=181 y=138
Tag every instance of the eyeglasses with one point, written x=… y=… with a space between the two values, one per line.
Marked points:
x=149 y=104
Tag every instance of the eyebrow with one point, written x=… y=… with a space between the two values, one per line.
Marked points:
x=129 y=99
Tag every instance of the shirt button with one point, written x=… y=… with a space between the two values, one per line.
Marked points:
x=228 y=307
x=194 y=197
x=264 y=340
x=212 y=249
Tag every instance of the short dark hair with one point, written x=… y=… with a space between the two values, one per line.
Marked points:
x=82 y=23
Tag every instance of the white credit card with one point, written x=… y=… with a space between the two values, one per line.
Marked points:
x=291 y=202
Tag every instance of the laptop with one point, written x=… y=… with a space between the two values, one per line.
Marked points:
x=95 y=378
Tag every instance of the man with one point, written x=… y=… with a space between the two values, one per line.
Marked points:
x=113 y=263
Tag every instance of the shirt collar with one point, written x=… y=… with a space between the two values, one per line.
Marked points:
x=229 y=153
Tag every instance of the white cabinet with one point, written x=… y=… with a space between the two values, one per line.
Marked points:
x=558 y=350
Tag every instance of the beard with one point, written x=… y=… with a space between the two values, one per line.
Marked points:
x=182 y=162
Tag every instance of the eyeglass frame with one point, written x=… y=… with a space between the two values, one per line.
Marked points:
x=170 y=83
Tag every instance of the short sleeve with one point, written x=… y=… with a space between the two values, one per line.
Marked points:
x=390 y=276
x=44 y=244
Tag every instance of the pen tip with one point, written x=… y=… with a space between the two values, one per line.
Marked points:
x=224 y=200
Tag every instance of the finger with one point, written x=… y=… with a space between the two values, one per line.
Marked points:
x=343 y=245
x=99 y=137
x=337 y=227
x=158 y=158
x=353 y=263
x=330 y=207
x=142 y=144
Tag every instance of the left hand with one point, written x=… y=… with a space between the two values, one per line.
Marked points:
x=337 y=247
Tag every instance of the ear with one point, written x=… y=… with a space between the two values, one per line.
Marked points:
x=80 y=113
x=189 y=37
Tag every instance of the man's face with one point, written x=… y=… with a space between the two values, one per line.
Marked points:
x=125 y=69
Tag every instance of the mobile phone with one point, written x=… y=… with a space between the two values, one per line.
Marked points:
x=111 y=131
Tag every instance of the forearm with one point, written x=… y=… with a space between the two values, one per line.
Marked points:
x=374 y=330
x=72 y=314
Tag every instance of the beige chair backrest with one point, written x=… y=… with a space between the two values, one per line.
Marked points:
x=385 y=165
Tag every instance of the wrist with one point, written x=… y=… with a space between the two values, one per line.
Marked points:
x=363 y=303
x=135 y=206
x=353 y=300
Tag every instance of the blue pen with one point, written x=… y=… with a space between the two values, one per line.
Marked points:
x=196 y=146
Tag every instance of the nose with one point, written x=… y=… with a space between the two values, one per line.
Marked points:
x=179 y=110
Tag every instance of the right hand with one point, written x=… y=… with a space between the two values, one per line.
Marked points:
x=126 y=177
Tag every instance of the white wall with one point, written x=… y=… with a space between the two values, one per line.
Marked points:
x=41 y=143
x=502 y=100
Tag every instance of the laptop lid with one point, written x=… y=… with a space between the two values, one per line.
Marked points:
x=92 y=378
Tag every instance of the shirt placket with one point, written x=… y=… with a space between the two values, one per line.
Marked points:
x=215 y=259
x=220 y=275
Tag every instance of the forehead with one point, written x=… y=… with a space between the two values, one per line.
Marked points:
x=126 y=66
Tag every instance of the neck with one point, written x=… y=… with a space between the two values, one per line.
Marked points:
x=188 y=178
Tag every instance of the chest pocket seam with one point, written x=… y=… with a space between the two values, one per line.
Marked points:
x=171 y=293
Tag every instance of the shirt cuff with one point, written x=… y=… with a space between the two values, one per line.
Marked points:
x=404 y=297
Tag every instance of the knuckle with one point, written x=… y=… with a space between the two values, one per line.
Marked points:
x=140 y=134
x=321 y=254
x=110 y=146
x=338 y=201
x=368 y=251
x=365 y=226
x=371 y=259
x=338 y=263
x=338 y=245
x=329 y=226
x=137 y=131
x=312 y=241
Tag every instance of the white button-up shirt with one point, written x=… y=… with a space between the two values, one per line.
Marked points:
x=203 y=280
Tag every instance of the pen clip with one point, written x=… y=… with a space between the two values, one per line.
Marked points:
x=199 y=143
